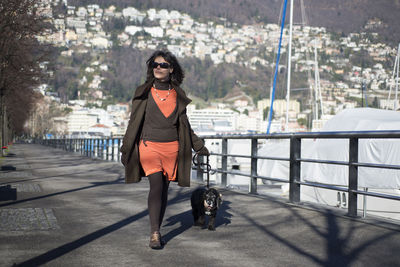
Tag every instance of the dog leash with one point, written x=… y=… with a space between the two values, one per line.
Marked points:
x=205 y=167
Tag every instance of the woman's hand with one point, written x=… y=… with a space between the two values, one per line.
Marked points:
x=203 y=151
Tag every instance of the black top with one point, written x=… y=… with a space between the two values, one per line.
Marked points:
x=157 y=127
x=161 y=85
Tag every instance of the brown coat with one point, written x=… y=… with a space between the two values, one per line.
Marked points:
x=187 y=138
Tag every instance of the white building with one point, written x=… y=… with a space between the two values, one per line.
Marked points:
x=133 y=14
x=118 y=108
x=391 y=104
x=100 y=130
x=280 y=106
x=100 y=42
x=157 y=32
x=131 y=30
x=81 y=120
x=246 y=123
x=222 y=120
x=82 y=12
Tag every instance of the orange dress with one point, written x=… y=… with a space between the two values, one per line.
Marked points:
x=161 y=156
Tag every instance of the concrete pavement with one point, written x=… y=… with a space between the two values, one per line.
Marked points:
x=76 y=211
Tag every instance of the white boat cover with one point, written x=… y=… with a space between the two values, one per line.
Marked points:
x=383 y=151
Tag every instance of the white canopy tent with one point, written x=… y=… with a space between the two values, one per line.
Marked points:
x=370 y=151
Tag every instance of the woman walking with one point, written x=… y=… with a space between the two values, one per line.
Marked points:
x=159 y=140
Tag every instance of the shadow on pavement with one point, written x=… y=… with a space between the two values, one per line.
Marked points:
x=46 y=257
x=339 y=246
x=94 y=184
x=64 y=249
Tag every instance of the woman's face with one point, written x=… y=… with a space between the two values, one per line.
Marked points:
x=161 y=69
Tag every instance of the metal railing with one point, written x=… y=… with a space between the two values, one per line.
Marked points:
x=109 y=149
x=103 y=148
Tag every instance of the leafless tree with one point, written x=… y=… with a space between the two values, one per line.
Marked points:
x=22 y=22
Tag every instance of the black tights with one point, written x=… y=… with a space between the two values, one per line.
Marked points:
x=157 y=200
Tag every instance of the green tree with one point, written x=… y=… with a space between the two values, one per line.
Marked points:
x=302 y=121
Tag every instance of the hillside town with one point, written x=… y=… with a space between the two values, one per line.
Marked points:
x=314 y=51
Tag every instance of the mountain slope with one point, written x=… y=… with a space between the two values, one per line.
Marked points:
x=337 y=15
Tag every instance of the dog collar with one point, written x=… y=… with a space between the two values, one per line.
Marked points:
x=208 y=212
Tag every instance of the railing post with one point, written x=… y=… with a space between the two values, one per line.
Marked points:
x=88 y=150
x=102 y=147
x=353 y=176
x=107 y=146
x=98 y=147
x=253 y=180
x=294 y=175
x=200 y=172
x=112 y=149
x=224 y=162
x=91 y=147
x=119 y=149
x=103 y=144
x=86 y=147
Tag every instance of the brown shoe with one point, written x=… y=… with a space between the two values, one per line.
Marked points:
x=155 y=240
x=162 y=240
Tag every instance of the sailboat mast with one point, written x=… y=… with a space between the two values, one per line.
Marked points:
x=397 y=79
x=392 y=80
x=319 y=88
x=276 y=68
x=289 y=65
x=316 y=79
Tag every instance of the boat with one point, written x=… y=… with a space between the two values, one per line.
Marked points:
x=381 y=151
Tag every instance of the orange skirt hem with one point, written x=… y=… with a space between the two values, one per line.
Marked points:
x=159 y=157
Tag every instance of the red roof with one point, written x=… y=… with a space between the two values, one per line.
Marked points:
x=99 y=126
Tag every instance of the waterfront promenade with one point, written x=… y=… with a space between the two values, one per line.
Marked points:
x=76 y=211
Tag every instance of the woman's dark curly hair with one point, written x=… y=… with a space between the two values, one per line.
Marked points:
x=177 y=74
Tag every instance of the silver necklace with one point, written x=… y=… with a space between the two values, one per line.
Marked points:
x=158 y=96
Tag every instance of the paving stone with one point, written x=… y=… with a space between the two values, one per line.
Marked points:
x=22 y=166
x=15 y=174
x=7 y=193
x=27 y=187
x=27 y=219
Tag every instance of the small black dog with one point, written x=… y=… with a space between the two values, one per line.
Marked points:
x=205 y=202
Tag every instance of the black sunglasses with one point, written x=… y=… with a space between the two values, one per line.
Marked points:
x=163 y=65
